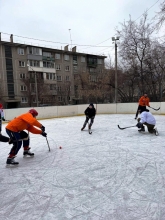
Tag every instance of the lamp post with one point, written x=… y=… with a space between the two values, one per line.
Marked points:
x=70 y=37
x=114 y=39
x=35 y=83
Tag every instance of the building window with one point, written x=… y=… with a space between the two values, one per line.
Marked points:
x=21 y=64
x=57 y=56
x=35 y=63
x=47 y=54
x=67 y=68
x=82 y=59
x=34 y=50
x=21 y=51
x=24 y=100
x=23 y=88
x=22 y=75
x=93 y=78
x=33 y=88
x=67 y=78
x=58 y=67
x=34 y=100
x=74 y=60
x=59 y=98
x=59 y=88
x=99 y=61
x=91 y=70
x=59 y=78
x=52 y=86
x=48 y=64
x=50 y=76
x=100 y=71
x=66 y=57
x=75 y=68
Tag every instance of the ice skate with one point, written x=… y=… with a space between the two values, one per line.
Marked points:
x=28 y=153
x=11 y=161
x=141 y=129
x=82 y=128
x=89 y=127
x=156 y=131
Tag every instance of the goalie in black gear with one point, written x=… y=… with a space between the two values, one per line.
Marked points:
x=90 y=113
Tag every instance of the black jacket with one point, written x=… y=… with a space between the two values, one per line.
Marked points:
x=90 y=112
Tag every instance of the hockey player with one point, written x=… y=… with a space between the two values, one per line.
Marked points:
x=143 y=102
x=1 y=116
x=146 y=118
x=15 y=130
x=90 y=113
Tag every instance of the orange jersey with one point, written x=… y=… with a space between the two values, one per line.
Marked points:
x=144 y=101
x=24 y=122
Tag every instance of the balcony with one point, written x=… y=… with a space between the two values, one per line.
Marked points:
x=41 y=69
x=48 y=58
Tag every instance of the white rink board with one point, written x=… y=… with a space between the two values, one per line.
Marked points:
x=76 y=110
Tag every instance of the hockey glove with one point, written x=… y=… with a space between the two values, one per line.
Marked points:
x=44 y=134
x=3 y=119
x=139 y=125
x=43 y=128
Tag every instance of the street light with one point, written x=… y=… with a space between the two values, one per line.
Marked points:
x=116 y=87
x=35 y=83
x=70 y=37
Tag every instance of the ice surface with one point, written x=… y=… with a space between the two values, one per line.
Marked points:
x=110 y=175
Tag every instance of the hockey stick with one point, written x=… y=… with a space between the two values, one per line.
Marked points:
x=156 y=109
x=126 y=127
x=48 y=144
x=89 y=130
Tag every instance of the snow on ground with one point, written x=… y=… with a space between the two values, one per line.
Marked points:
x=110 y=175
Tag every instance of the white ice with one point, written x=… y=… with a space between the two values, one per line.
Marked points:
x=110 y=175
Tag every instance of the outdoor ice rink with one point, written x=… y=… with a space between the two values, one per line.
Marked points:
x=110 y=175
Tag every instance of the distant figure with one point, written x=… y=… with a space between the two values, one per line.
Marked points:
x=146 y=118
x=143 y=102
x=90 y=113
x=15 y=130
x=1 y=117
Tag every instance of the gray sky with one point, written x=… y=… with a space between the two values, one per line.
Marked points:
x=91 y=21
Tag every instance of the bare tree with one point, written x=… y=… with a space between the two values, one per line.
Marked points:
x=136 y=57
x=160 y=16
x=93 y=87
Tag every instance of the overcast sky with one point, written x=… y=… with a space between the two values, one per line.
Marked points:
x=91 y=22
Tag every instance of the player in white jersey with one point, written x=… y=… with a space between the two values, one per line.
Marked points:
x=1 y=116
x=146 y=118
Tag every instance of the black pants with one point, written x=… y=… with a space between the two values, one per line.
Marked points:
x=150 y=127
x=86 y=121
x=18 y=138
x=140 y=107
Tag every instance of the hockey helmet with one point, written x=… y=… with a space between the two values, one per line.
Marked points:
x=91 y=104
x=33 y=112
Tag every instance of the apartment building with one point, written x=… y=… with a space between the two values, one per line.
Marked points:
x=36 y=76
